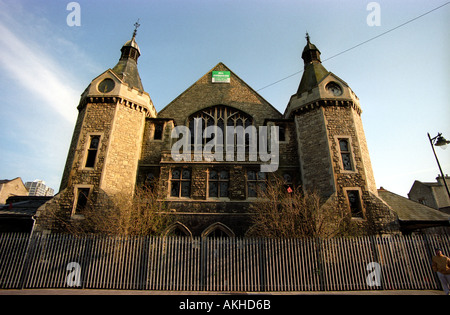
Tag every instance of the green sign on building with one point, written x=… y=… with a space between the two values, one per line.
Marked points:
x=221 y=76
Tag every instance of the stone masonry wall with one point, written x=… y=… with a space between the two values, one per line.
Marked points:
x=94 y=118
x=199 y=211
x=72 y=148
x=340 y=123
x=364 y=152
x=321 y=164
x=151 y=148
x=313 y=152
x=97 y=120
x=124 y=150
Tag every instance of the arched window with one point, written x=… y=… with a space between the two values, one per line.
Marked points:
x=178 y=229
x=218 y=230
x=219 y=117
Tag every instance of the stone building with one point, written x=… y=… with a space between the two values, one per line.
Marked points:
x=432 y=194
x=11 y=187
x=121 y=141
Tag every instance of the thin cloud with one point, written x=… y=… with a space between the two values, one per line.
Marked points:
x=36 y=72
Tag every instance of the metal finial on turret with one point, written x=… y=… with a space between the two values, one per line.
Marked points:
x=136 y=26
x=307 y=37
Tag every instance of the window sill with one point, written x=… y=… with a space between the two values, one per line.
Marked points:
x=218 y=199
x=88 y=169
x=179 y=198
x=77 y=217
x=348 y=172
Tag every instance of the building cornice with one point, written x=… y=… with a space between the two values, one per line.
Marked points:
x=114 y=100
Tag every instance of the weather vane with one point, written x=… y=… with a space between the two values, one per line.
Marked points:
x=136 y=26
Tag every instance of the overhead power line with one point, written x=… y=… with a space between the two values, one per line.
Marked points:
x=362 y=43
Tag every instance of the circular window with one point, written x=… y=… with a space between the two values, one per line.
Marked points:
x=334 y=88
x=106 y=86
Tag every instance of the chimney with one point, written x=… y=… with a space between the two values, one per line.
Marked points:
x=440 y=180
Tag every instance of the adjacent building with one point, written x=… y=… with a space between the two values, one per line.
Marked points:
x=10 y=188
x=39 y=188
x=432 y=194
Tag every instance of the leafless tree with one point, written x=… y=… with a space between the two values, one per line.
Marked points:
x=145 y=213
x=284 y=211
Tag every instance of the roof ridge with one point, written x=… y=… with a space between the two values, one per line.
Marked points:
x=435 y=213
x=234 y=74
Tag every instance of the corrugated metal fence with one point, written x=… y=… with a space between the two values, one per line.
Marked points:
x=219 y=264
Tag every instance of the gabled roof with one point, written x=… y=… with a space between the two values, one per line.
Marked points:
x=5 y=181
x=430 y=184
x=409 y=210
x=203 y=93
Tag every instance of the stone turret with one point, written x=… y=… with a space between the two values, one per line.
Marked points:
x=106 y=145
x=332 y=148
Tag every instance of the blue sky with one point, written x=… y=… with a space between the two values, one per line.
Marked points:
x=401 y=78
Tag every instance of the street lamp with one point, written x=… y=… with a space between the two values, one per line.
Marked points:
x=439 y=141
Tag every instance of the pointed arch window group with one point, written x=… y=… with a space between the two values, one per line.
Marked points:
x=216 y=229
x=220 y=117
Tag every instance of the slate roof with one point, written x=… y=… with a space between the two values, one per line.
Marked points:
x=409 y=210
x=22 y=206
x=127 y=70
x=314 y=70
x=204 y=94
x=313 y=74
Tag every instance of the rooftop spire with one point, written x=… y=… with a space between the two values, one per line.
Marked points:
x=310 y=53
x=130 y=49
x=126 y=68
x=314 y=70
x=136 y=26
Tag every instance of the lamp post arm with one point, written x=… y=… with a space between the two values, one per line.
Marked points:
x=437 y=160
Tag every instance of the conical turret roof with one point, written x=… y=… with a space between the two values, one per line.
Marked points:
x=314 y=70
x=126 y=69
